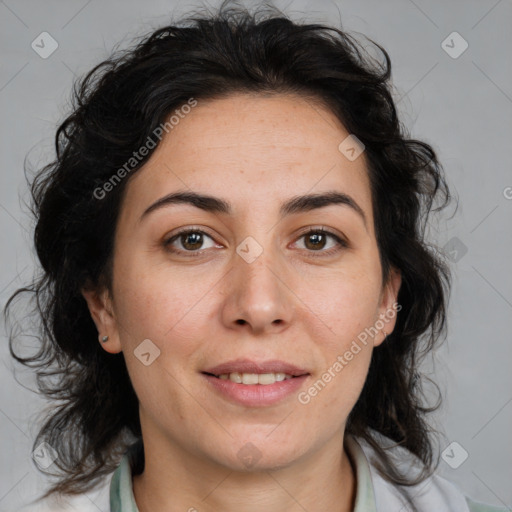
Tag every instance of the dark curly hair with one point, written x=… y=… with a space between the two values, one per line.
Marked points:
x=116 y=107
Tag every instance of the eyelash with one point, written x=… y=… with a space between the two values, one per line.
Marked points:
x=194 y=254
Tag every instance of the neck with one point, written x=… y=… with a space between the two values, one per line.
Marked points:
x=174 y=480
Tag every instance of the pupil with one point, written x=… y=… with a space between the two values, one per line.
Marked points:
x=196 y=239
x=317 y=240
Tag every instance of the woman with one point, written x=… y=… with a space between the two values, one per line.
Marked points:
x=236 y=289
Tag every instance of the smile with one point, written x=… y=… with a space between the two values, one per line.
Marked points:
x=251 y=379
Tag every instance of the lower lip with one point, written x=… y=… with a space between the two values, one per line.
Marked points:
x=256 y=395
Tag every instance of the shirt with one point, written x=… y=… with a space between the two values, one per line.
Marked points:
x=373 y=492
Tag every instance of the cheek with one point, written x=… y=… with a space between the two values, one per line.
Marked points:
x=341 y=313
x=170 y=312
x=161 y=303
x=346 y=302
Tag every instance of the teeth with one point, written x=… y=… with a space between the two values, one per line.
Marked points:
x=235 y=377
x=249 y=378
x=255 y=378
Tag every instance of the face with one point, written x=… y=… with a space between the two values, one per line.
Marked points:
x=254 y=290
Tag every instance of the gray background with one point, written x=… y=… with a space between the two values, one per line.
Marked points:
x=462 y=106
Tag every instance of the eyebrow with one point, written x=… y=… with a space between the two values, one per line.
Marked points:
x=294 y=205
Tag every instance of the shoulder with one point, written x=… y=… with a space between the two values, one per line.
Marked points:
x=433 y=493
x=475 y=506
x=114 y=493
x=95 y=501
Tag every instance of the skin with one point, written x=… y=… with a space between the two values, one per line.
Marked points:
x=256 y=152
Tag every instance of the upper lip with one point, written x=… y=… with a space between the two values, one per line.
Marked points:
x=248 y=366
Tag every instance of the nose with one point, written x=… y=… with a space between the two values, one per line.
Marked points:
x=258 y=299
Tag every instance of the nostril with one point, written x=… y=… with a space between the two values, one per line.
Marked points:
x=240 y=321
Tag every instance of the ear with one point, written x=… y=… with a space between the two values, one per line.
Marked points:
x=100 y=307
x=388 y=307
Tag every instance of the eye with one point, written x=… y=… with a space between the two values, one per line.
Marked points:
x=316 y=240
x=190 y=240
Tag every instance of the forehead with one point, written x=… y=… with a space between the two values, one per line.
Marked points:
x=248 y=148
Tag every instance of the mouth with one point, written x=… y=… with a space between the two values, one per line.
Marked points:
x=255 y=384
x=246 y=371
x=250 y=379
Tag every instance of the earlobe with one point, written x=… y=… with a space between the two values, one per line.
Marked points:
x=100 y=308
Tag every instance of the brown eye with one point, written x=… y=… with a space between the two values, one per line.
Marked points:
x=316 y=240
x=190 y=240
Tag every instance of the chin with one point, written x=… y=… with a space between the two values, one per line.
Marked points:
x=259 y=453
